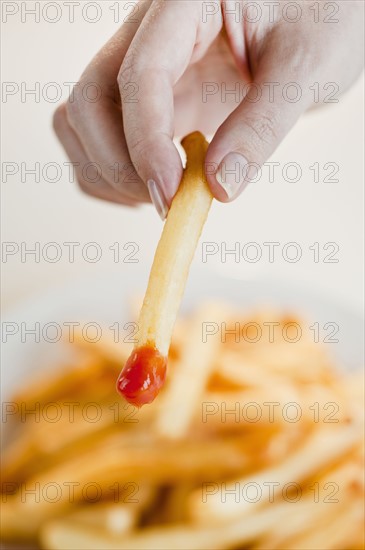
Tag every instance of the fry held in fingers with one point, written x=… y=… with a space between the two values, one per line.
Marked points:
x=145 y=371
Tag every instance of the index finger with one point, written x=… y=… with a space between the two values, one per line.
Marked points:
x=158 y=56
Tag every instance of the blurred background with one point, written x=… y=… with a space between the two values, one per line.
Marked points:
x=326 y=143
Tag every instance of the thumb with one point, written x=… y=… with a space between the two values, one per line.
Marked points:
x=249 y=136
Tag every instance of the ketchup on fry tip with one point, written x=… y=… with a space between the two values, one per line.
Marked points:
x=143 y=375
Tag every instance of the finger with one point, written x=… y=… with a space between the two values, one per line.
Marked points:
x=100 y=131
x=255 y=128
x=89 y=179
x=169 y=38
x=95 y=115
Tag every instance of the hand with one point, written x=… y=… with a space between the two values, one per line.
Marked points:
x=168 y=71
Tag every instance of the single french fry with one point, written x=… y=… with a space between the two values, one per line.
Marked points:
x=176 y=248
x=145 y=370
x=114 y=518
x=180 y=401
x=65 y=534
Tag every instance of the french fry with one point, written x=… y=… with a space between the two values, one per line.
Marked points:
x=343 y=479
x=36 y=511
x=340 y=530
x=235 y=370
x=62 y=534
x=171 y=450
x=321 y=447
x=153 y=461
x=180 y=401
x=114 y=518
x=167 y=537
x=53 y=385
x=125 y=463
x=145 y=371
x=183 y=536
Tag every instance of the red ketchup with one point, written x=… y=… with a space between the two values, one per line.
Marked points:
x=143 y=375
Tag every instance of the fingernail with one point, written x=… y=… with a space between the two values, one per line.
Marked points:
x=157 y=199
x=232 y=174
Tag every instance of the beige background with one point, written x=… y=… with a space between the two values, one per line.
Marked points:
x=304 y=212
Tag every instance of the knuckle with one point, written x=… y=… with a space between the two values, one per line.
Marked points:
x=139 y=146
x=128 y=68
x=72 y=110
x=59 y=118
x=262 y=128
x=84 y=186
x=76 y=104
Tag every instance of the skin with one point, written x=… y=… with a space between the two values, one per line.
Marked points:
x=164 y=57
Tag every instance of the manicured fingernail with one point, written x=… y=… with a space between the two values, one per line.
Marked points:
x=158 y=199
x=232 y=174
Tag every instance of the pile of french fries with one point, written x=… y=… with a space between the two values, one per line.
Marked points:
x=249 y=445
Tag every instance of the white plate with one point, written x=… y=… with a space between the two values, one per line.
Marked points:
x=105 y=301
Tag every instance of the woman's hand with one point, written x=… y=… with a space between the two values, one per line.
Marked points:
x=243 y=71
